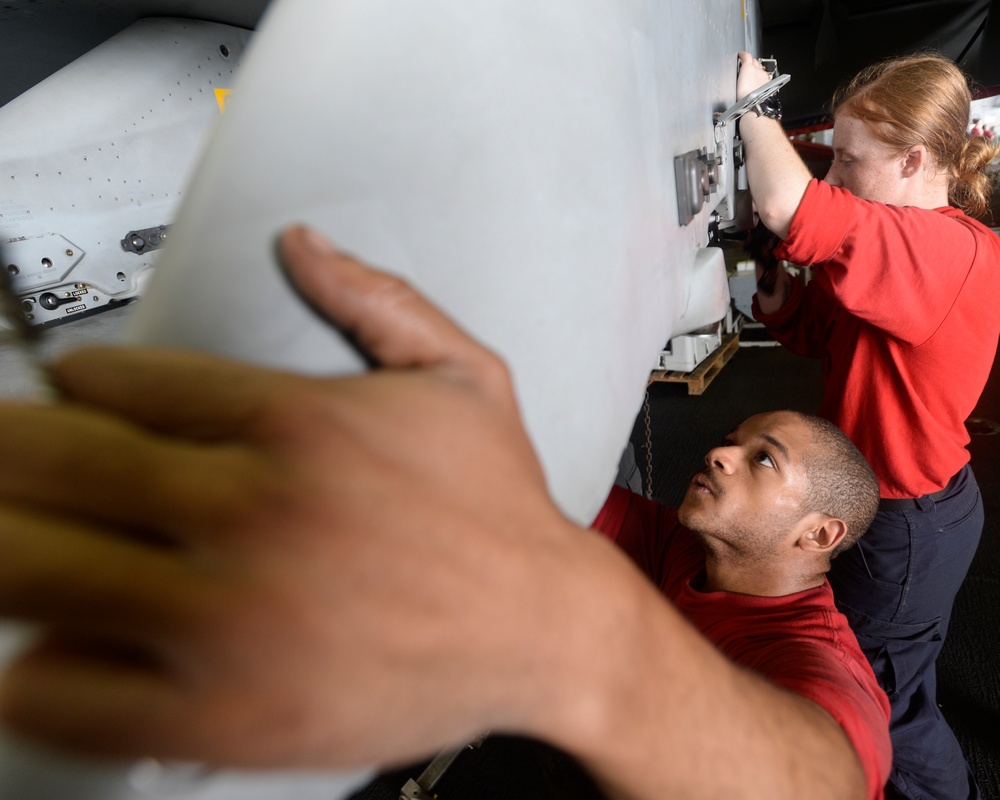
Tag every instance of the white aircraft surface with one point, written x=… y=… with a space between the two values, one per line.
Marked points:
x=550 y=172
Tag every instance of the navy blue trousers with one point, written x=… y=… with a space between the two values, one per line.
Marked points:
x=897 y=587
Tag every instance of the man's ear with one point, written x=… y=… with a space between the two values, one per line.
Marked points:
x=821 y=533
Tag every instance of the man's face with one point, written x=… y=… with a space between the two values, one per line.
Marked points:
x=863 y=165
x=750 y=495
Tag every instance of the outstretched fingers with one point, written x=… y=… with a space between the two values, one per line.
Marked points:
x=63 y=459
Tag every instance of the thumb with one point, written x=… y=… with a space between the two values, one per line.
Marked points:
x=394 y=324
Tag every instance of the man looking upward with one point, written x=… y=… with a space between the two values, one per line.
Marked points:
x=745 y=559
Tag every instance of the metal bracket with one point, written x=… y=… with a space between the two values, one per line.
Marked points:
x=752 y=102
x=33 y=262
x=144 y=241
x=696 y=176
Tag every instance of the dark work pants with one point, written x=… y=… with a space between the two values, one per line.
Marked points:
x=897 y=587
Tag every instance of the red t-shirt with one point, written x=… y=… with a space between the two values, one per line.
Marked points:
x=800 y=641
x=900 y=311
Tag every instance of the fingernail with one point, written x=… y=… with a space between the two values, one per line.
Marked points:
x=317 y=243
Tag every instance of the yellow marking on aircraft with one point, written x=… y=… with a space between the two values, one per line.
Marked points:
x=220 y=97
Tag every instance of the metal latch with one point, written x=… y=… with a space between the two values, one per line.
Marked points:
x=696 y=174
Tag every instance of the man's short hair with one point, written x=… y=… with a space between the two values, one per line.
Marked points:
x=841 y=482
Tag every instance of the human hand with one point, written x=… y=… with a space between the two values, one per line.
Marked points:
x=252 y=568
x=773 y=281
x=774 y=285
x=750 y=76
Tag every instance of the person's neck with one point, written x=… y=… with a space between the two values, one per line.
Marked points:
x=762 y=580
x=929 y=194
